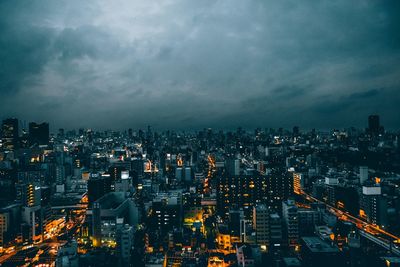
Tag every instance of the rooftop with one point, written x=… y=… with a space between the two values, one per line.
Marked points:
x=317 y=245
x=111 y=200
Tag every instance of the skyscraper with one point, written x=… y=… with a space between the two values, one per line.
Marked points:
x=290 y=218
x=363 y=174
x=374 y=126
x=39 y=133
x=10 y=134
x=233 y=166
x=260 y=224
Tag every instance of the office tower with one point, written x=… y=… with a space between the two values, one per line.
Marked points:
x=374 y=126
x=109 y=211
x=188 y=174
x=363 y=174
x=275 y=230
x=125 y=240
x=31 y=218
x=297 y=187
x=240 y=191
x=4 y=227
x=10 y=216
x=28 y=194
x=178 y=174
x=308 y=219
x=89 y=135
x=260 y=224
x=291 y=221
x=137 y=166
x=247 y=190
x=10 y=134
x=39 y=133
x=7 y=184
x=373 y=205
x=236 y=216
x=165 y=215
x=232 y=166
x=373 y=123
x=24 y=139
x=123 y=184
x=296 y=131
x=98 y=186
x=116 y=172
x=280 y=187
x=60 y=174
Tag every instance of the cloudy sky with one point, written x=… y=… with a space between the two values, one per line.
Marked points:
x=193 y=64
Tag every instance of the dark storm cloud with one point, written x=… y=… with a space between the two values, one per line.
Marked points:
x=181 y=64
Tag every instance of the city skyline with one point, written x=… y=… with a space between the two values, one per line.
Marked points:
x=219 y=64
x=206 y=133
x=268 y=197
x=24 y=127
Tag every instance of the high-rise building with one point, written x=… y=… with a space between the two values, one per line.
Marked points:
x=60 y=174
x=109 y=211
x=165 y=215
x=308 y=219
x=236 y=216
x=373 y=205
x=275 y=230
x=188 y=174
x=260 y=224
x=115 y=172
x=4 y=227
x=28 y=194
x=10 y=216
x=31 y=218
x=179 y=174
x=297 y=187
x=39 y=133
x=242 y=191
x=296 y=131
x=280 y=187
x=98 y=186
x=291 y=221
x=363 y=174
x=125 y=234
x=373 y=122
x=374 y=126
x=233 y=166
x=245 y=191
x=10 y=134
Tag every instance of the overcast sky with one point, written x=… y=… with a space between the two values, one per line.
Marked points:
x=201 y=63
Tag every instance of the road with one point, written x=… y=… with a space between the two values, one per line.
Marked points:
x=207 y=180
x=368 y=230
x=52 y=238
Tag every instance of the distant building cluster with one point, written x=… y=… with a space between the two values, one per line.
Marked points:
x=268 y=197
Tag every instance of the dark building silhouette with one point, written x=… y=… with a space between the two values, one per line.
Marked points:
x=39 y=133
x=296 y=131
x=9 y=134
x=98 y=186
x=317 y=252
x=374 y=126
